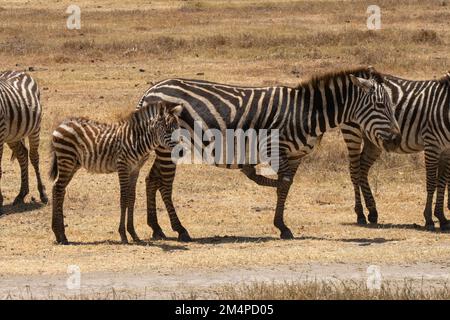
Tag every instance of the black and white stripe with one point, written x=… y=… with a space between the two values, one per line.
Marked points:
x=422 y=111
x=20 y=118
x=121 y=147
x=301 y=114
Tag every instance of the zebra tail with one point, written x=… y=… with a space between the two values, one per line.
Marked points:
x=14 y=153
x=53 y=173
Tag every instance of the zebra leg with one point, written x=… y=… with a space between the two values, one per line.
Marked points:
x=285 y=178
x=448 y=194
x=131 y=201
x=448 y=184
x=1 y=173
x=353 y=140
x=124 y=180
x=66 y=171
x=168 y=175
x=161 y=178
x=250 y=172
x=34 y=159
x=21 y=153
x=369 y=155
x=152 y=184
x=431 y=165
x=440 y=194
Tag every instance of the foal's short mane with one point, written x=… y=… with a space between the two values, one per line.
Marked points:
x=132 y=113
x=327 y=77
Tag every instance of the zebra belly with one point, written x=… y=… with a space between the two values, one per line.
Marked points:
x=17 y=134
x=98 y=164
x=296 y=151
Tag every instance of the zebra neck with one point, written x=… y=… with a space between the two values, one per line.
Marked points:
x=323 y=106
x=142 y=136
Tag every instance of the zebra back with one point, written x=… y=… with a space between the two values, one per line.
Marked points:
x=301 y=114
x=20 y=106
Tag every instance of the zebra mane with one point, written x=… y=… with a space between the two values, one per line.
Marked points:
x=136 y=113
x=327 y=77
x=82 y=120
x=445 y=79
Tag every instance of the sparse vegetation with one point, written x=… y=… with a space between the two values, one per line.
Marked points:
x=333 y=290
x=102 y=70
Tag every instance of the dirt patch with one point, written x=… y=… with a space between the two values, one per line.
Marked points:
x=202 y=283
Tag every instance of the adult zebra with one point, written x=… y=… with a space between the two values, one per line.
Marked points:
x=20 y=117
x=302 y=114
x=422 y=111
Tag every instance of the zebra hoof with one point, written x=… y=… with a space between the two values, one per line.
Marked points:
x=373 y=217
x=430 y=227
x=184 y=237
x=445 y=227
x=361 y=221
x=44 y=199
x=62 y=241
x=373 y=220
x=136 y=239
x=123 y=239
x=158 y=235
x=18 y=200
x=286 y=235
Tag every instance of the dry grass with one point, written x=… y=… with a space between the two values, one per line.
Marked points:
x=308 y=290
x=332 y=290
x=101 y=71
x=107 y=294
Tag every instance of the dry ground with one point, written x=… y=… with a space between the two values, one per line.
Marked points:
x=102 y=70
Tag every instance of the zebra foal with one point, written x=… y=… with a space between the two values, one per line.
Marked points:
x=121 y=147
x=20 y=118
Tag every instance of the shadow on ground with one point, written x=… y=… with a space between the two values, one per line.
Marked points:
x=359 y=241
x=20 y=208
x=410 y=226
x=233 y=239
x=158 y=244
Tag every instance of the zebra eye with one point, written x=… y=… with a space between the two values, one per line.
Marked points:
x=379 y=105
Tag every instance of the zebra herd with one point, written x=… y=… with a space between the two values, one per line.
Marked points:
x=375 y=112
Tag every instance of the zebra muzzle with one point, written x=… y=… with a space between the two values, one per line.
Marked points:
x=392 y=141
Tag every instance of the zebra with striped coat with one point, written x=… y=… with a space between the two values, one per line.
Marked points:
x=20 y=118
x=121 y=147
x=301 y=114
x=422 y=111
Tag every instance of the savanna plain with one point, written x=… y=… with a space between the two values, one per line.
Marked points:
x=101 y=71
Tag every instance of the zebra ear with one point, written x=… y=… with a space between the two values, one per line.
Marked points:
x=445 y=79
x=375 y=75
x=176 y=111
x=160 y=108
x=362 y=83
x=150 y=100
